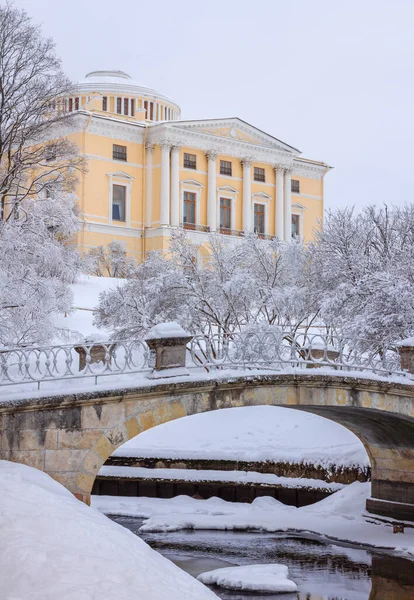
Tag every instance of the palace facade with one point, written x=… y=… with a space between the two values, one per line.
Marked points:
x=149 y=172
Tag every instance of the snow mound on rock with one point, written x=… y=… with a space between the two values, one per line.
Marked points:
x=253 y=578
x=54 y=547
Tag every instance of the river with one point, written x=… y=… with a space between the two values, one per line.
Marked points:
x=321 y=570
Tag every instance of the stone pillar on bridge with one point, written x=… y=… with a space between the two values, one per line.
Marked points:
x=168 y=345
x=406 y=350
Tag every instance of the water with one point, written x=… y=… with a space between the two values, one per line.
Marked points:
x=322 y=571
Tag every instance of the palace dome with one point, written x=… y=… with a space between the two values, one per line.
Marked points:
x=120 y=83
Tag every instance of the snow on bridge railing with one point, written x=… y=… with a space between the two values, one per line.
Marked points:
x=64 y=366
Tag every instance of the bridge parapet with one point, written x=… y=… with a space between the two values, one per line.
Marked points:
x=51 y=368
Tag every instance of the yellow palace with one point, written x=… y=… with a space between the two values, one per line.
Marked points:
x=149 y=172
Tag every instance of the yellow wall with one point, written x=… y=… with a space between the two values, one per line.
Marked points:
x=94 y=188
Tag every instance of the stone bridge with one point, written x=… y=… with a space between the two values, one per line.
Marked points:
x=70 y=436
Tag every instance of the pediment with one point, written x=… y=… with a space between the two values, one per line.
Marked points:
x=191 y=182
x=262 y=195
x=120 y=175
x=228 y=189
x=238 y=130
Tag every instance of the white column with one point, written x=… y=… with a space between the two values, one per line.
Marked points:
x=279 y=222
x=165 y=184
x=212 y=190
x=247 y=195
x=288 y=205
x=175 y=186
x=148 y=197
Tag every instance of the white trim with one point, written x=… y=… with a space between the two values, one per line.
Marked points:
x=111 y=229
x=193 y=170
x=113 y=161
x=307 y=196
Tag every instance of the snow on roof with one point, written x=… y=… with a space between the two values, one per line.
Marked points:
x=117 y=81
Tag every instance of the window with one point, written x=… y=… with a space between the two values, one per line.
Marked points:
x=295 y=186
x=119 y=106
x=295 y=226
x=259 y=174
x=259 y=218
x=225 y=167
x=76 y=103
x=190 y=161
x=126 y=105
x=70 y=104
x=119 y=152
x=118 y=202
x=146 y=108
x=132 y=107
x=151 y=111
x=105 y=103
x=189 y=208
x=225 y=213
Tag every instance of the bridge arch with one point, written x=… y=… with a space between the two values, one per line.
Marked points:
x=71 y=436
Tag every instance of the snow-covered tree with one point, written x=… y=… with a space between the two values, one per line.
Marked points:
x=109 y=261
x=38 y=172
x=239 y=285
x=33 y=156
x=37 y=264
x=362 y=270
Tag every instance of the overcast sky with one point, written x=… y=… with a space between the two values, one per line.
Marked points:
x=334 y=79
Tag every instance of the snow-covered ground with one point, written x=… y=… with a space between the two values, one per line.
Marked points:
x=79 y=323
x=254 y=578
x=254 y=433
x=242 y=477
x=54 y=547
x=341 y=516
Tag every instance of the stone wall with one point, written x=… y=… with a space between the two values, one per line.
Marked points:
x=71 y=436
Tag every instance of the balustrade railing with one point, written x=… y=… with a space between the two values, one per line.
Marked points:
x=253 y=350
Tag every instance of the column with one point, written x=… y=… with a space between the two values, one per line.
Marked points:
x=212 y=190
x=247 y=195
x=279 y=222
x=175 y=186
x=288 y=205
x=148 y=196
x=165 y=184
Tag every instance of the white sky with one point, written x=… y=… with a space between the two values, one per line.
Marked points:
x=334 y=79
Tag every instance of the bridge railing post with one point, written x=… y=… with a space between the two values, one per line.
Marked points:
x=406 y=351
x=168 y=345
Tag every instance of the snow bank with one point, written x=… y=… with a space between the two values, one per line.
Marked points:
x=339 y=517
x=79 y=323
x=54 y=547
x=254 y=433
x=253 y=578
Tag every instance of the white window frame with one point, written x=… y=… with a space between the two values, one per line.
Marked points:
x=194 y=187
x=226 y=191
x=264 y=199
x=125 y=180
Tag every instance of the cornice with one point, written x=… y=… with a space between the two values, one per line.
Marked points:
x=309 y=170
x=117 y=130
x=174 y=135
